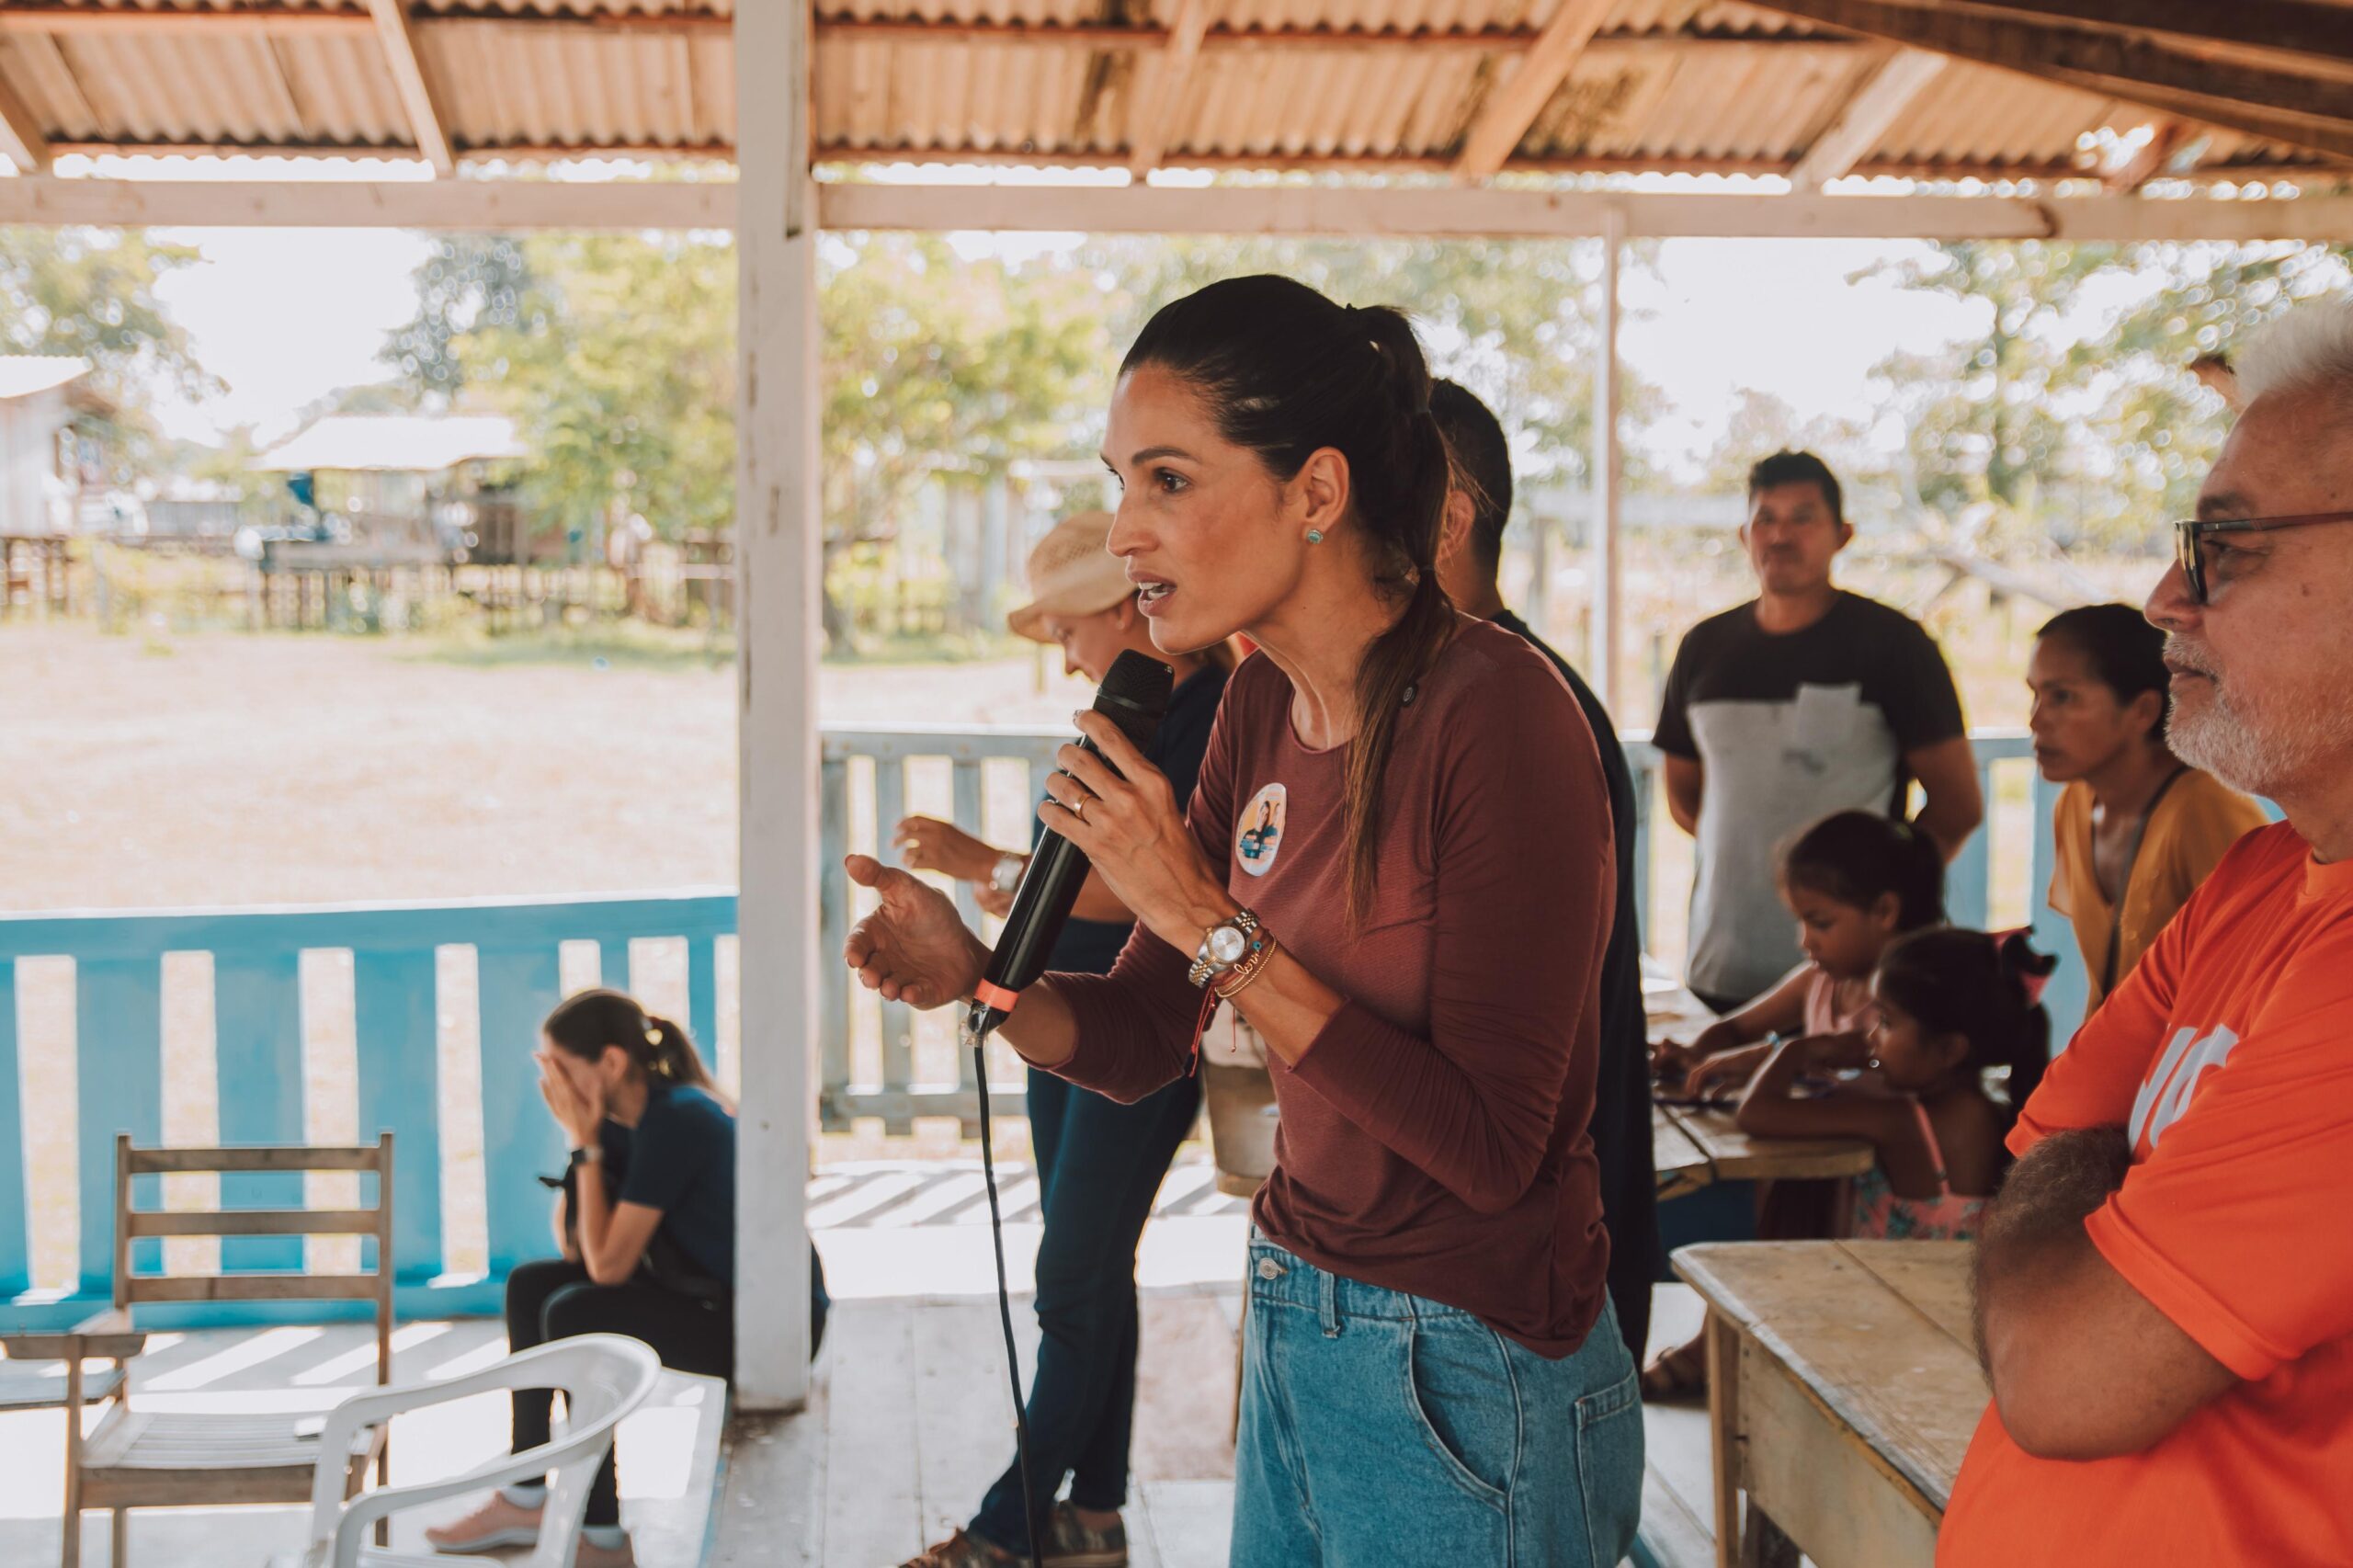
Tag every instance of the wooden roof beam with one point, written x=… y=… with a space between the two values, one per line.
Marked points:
x=355 y=21
x=1512 y=106
x=425 y=120
x=1155 y=111
x=2279 y=106
x=1866 y=117
x=2287 y=27
x=1435 y=212
x=1123 y=38
x=72 y=21
x=21 y=138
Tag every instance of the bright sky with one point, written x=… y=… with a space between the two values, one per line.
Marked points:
x=1778 y=316
x=285 y=316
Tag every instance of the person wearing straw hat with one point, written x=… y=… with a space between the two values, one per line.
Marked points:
x=1099 y=1163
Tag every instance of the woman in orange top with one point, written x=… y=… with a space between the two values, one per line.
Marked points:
x=2136 y=829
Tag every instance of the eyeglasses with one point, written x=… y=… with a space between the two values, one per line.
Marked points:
x=2189 y=536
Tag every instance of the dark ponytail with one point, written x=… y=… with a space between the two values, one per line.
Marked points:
x=1859 y=858
x=1986 y=989
x=1286 y=372
x=583 y=1023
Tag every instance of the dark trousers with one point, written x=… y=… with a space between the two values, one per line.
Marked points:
x=1100 y=1165
x=552 y=1298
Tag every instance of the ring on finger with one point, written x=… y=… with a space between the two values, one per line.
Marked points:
x=1079 y=810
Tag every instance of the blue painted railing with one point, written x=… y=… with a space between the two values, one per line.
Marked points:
x=257 y=1029
x=895 y=1094
x=257 y=957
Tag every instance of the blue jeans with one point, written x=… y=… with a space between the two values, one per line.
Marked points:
x=1100 y=1165
x=1382 y=1430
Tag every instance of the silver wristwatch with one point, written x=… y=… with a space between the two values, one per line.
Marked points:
x=1222 y=946
x=1004 y=877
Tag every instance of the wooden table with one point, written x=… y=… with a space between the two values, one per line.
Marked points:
x=1730 y=1154
x=1682 y=1166
x=1691 y=1148
x=1843 y=1388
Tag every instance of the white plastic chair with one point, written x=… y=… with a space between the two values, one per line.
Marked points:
x=604 y=1377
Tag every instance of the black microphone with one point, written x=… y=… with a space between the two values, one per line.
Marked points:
x=1134 y=695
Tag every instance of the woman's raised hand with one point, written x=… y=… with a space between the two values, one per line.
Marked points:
x=914 y=947
x=927 y=844
x=1121 y=812
x=578 y=1108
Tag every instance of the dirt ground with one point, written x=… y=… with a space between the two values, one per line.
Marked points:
x=221 y=770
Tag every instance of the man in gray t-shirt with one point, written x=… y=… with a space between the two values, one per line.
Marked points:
x=1806 y=700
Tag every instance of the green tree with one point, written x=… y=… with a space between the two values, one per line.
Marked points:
x=618 y=364
x=2165 y=428
x=939 y=366
x=2053 y=426
x=92 y=293
x=1762 y=423
x=470 y=281
x=614 y=354
x=1990 y=418
x=1517 y=321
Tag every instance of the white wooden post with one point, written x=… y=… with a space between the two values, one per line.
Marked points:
x=1607 y=561
x=778 y=556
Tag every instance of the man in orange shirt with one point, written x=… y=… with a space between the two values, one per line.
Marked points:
x=2164 y=1286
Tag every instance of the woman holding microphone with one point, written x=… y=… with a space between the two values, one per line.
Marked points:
x=1433 y=1375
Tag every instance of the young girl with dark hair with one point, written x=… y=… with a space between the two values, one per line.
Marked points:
x=1854 y=882
x=1953 y=1005
x=2136 y=829
x=648 y=1230
x=1434 y=1375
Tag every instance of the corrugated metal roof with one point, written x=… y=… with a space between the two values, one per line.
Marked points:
x=1673 y=84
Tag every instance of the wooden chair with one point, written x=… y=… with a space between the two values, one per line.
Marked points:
x=137 y=1458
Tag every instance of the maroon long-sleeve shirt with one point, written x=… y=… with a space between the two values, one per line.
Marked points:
x=1434 y=1136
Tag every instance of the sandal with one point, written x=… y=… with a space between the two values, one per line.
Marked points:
x=963 y=1549
x=1676 y=1376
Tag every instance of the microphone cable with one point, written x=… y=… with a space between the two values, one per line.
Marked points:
x=1134 y=695
x=1005 y=1299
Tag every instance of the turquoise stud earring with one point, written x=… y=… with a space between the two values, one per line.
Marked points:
x=1315 y=536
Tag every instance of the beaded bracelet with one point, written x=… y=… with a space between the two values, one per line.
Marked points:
x=1232 y=982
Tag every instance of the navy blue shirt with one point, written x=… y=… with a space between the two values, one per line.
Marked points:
x=1621 y=1099
x=680 y=1159
x=1091 y=946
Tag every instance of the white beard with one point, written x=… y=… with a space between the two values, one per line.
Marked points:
x=2222 y=740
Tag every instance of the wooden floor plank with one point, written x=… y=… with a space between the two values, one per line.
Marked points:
x=872 y=1512
x=772 y=1512
x=1192 y=1521
x=1143 y=1547
x=963 y=1407
x=1671 y=1536
x=1183 y=1389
